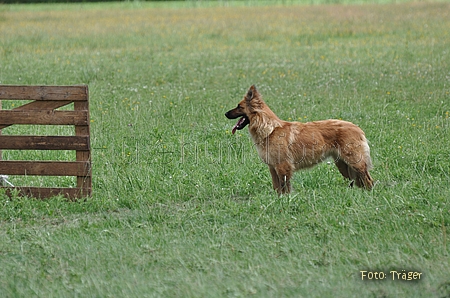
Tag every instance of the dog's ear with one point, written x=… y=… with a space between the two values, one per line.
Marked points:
x=251 y=92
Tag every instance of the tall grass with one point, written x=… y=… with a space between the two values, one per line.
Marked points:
x=182 y=207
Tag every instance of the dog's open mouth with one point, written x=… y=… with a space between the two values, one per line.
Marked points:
x=243 y=121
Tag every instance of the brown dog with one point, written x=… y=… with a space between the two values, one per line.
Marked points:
x=290 y=146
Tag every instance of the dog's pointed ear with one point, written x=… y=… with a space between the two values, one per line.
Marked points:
x=251 y=92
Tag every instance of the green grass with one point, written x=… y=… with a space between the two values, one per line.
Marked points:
x=182 y=208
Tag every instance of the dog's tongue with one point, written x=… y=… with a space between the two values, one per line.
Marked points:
x=238 y=124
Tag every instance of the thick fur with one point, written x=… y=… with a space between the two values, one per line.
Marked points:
x=290 y=146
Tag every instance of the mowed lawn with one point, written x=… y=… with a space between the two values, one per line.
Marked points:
x=183 y=208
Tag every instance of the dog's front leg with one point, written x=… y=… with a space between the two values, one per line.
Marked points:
x=284 y=173
x=275 y=180
x=285 y=184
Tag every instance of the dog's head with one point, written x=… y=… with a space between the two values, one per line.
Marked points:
x=244 y=109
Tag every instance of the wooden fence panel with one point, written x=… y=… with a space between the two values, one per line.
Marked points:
x=42 y=111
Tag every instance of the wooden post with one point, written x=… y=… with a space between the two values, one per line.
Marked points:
x=84 y=182
x=0 y=131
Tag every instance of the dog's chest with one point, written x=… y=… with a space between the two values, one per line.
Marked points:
x=263 y=152
x=272 y=150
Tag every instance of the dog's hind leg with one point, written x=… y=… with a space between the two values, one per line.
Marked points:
x=357 y=173
x=354 y=163
x=363 y=179
x=360 y=176
x=343 y=168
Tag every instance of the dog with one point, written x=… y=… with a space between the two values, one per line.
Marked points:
x=290 y=146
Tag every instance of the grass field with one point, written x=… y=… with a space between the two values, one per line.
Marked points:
x=183 y=208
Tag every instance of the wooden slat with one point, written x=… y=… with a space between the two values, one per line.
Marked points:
x=39 y=105
x=46 y=168
x=49 y=117
x=71 y=193
x=72 y=93
x=45 y=142
x=43 y=105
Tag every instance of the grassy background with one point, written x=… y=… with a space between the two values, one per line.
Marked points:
x=183 y=208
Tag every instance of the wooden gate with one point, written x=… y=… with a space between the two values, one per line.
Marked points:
x=42 y=110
